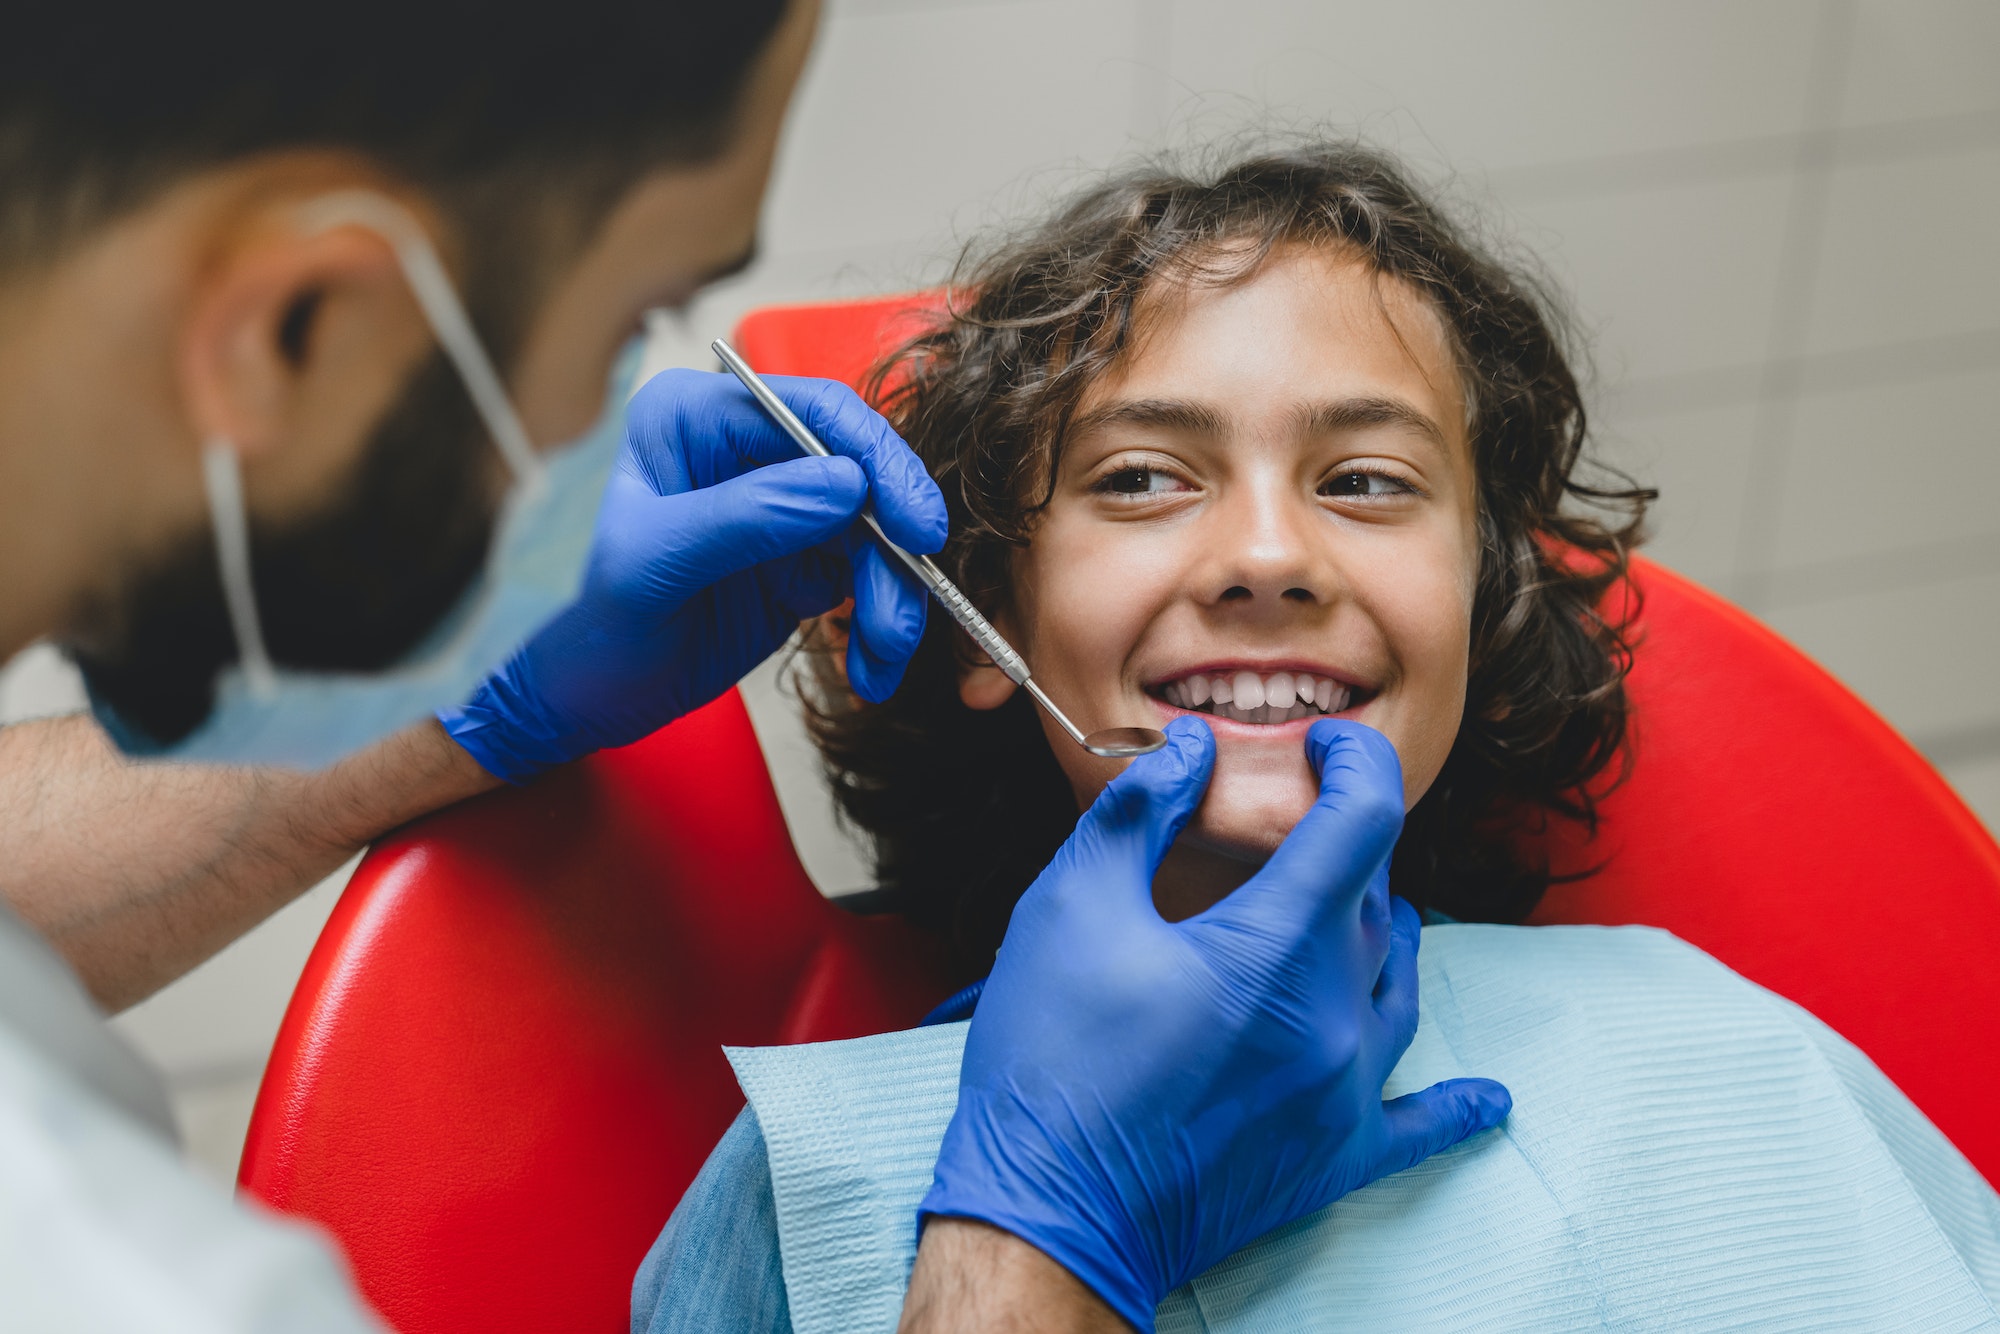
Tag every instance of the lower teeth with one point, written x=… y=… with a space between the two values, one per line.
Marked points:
x=1267 y=713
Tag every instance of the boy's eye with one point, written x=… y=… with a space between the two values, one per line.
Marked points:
x=1138 y=481
x=1364 y=484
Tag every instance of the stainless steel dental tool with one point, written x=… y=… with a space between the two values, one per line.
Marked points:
x=1111 y=742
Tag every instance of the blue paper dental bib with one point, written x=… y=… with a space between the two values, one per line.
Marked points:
x=1686 y=1151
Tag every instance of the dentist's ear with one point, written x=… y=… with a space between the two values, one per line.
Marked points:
x=293 y=347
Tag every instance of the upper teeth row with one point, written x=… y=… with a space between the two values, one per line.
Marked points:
x=1249 y=690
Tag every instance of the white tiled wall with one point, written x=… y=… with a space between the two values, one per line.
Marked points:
x=1780 y=221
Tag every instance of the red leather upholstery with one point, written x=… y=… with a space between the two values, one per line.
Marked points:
x=500 y=1069
x=503 y=1064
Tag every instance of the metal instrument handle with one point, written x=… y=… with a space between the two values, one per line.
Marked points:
x=990 y=641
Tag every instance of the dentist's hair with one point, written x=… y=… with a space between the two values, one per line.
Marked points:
x=524 y=123
x=965 y=807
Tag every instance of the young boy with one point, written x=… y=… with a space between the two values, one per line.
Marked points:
x=1259 y=448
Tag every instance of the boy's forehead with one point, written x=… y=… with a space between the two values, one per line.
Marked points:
x=1307 y=324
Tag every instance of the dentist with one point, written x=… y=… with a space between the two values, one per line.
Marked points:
x=319 y=456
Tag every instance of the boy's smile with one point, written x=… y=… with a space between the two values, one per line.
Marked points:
x=1261 y=694
x=1265 y=515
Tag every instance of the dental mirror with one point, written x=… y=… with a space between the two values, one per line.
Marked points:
x=1113 y=743
x=1122 y=743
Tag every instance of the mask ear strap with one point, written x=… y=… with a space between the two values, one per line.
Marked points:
x=439 y=301
x=222 y=476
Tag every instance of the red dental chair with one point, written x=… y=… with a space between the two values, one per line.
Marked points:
x=501 y=1067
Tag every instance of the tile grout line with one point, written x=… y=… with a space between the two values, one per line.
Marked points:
x=1152 y=77
x=1804 y=233
x=1886 y=571
x=202 y=1076
x=1979 y=742
x=1612 y=174
x=1762 y=155
x=1906 y=361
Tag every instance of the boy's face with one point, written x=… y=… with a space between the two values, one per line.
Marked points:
x=1276 y=485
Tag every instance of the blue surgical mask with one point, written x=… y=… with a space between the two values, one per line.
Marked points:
x=268 y=714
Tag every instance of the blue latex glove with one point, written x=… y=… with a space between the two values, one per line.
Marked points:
x=715 y=539
x=1141 y=1098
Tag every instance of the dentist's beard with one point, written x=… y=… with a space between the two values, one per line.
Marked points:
x=354 y=587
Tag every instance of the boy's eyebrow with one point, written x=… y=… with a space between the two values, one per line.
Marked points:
x=1346 y=414
x=1165 y=414
x=1322 y=418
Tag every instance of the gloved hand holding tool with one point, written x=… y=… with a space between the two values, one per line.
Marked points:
x=1141 y=1098
x=714 y=541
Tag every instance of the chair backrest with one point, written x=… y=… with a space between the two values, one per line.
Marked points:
x=503 y=1063
x=501 y=1067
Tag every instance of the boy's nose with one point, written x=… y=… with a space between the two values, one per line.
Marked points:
x=1269 y=550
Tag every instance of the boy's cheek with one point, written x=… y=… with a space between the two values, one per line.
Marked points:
x=1088 y=774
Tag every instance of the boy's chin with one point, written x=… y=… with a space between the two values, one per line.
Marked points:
x=1245 y=817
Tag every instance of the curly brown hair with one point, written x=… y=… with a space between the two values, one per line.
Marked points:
x=966 y=807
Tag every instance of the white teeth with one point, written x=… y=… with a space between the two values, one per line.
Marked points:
x=1248 y=688
x=1279 y=697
